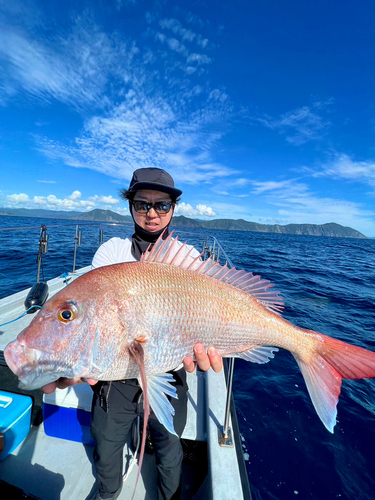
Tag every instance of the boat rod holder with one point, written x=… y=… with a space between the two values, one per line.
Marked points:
x=225 y=433
x=43 y=248
x=210 y=251
x=77 y=243
x=38 y=293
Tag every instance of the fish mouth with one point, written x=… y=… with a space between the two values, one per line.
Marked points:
x=23 y=362
x=19 y=356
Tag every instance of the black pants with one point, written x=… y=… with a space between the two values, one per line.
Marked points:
x=110 y=428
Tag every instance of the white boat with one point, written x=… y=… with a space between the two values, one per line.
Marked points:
x=49 y=468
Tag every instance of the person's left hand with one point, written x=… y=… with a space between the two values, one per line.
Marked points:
x=205 y=360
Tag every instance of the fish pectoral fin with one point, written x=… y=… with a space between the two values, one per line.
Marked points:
x=257 y=354
x=159 y=387
x=98 y=362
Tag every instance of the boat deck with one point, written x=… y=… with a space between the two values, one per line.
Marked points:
x=52 y=468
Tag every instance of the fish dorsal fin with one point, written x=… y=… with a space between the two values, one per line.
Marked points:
x=170 y=251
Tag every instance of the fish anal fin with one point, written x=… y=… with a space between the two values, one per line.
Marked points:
x=159 y=387
x=170 y=252
x=331 y=361
x=257 y=354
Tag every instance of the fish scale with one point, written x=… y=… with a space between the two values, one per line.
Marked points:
x=198 y=311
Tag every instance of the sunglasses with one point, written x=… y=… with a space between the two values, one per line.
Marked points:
x=160 y=207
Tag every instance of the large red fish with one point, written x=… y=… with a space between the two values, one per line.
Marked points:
x=143 y=318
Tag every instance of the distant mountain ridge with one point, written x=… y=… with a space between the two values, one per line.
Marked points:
x=330 y=229
x=102 y=216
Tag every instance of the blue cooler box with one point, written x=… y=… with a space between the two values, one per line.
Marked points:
x=15 y=421
x=67 y=413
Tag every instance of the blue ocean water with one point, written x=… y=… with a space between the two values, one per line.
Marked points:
x=328 y=285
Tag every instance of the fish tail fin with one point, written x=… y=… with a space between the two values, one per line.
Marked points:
x=323 y=371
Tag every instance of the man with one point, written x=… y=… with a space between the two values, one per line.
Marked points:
x=152 y=198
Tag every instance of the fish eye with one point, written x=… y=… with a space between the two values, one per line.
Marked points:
x=66 y=315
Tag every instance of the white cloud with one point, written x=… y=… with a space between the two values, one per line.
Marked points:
x=199 y=211
x=161 y=37
x=135 y=121
x=47 y=182
x=35 y=68
x=72 y=67
x=176 y=27
x=179 y=43
x=145 y=131
x=300 y=125
x=198 y=58
x=236 y=187
x=121 y=211
x=18 y=198
x=105 y=200
x=173 y=44
x=150 y=17
x=51 y=202
x=76 y=195
x=218 y=95
x=231 y=210
x=297 y=204
x=194 y=19
x=343 y=167
x=149 y=57
x=241 y=182
x=287 y=186
x=189 y=70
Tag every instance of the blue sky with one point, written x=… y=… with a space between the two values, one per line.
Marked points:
x=260 y=110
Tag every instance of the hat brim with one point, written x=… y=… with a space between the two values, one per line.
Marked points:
x=155 y=186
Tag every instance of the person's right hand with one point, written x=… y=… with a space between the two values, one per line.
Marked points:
x=63 y=383
x=205 y=360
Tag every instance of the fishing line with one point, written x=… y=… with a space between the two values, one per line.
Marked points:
x=19 y=317
x=133 y=458
x=41 y=261
x=64 y=276
x=67 y=276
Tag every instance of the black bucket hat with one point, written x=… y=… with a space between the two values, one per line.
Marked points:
x=155 y=179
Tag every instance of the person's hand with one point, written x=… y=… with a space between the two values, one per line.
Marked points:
x=63 y=383
x=205 y=360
